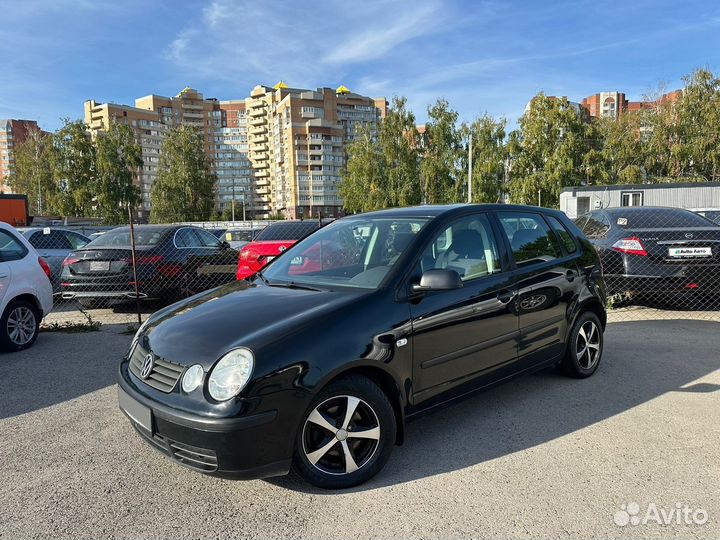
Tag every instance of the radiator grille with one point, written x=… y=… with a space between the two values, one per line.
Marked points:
x=164 y=374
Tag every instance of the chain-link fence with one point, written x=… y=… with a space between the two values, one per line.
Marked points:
x=657 y=262
x=120 y=275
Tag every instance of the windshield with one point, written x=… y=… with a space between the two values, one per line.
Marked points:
x=121 y=237
x=350 y=252
x=292 y=230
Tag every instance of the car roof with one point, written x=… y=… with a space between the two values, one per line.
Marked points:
x=628 y=209
x=436 y=210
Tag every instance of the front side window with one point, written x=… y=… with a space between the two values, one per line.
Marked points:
x=186 y=238
x=11 y=249
x=467 y=246
x=350 y=252
x=530 y=238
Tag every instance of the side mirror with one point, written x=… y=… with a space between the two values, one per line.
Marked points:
x=438 y=279
x=224 y=244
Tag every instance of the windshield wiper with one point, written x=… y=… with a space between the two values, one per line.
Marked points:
x=291 y=285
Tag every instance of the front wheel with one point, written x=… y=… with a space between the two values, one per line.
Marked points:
x=347 y=435
x=585 y=346
x=19 y=325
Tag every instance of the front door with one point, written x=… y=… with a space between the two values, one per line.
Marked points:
x=460 y=334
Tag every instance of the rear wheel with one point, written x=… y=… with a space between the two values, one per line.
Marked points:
x=585 y=346
x=347 y=435
x=19 y=325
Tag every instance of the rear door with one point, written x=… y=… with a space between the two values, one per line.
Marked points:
x=11 y=250
x=546 y=278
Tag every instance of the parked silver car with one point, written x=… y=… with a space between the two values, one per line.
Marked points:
x=54 y=244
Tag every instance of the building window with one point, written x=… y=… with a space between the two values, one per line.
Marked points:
x=631 y=198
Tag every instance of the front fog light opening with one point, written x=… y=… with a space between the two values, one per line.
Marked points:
x=192 y=378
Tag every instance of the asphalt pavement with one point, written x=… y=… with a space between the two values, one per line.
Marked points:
x=540 y=457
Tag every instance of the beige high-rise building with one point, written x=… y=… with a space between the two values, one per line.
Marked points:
x=297 y=143
x=149 y=132
x=280 y=151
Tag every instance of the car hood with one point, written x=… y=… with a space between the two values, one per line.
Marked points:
x=249 y=314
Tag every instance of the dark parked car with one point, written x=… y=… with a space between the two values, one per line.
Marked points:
x=320 y=370
x=53 y=245
x=655 y=252
x=172 y=261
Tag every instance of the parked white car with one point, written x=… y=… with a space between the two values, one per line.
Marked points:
x=25 y=291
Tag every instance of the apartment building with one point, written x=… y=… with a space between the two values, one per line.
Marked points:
x=12 y=133
x=281 y=150
x=149 y=133
x=222 y=125
x=297 y=143
x=614 y=104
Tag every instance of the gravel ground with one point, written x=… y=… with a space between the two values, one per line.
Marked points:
x=540 y=457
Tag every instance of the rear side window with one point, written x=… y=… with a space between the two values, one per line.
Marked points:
x=563 y=234
x=595 y=226
x=50 y=240
x=287 y=231
x=11 y=249
x=530 y=238
x=657 y=218
x=186 y=238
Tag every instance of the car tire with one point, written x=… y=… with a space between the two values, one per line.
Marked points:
x=585 y=346
x=19 y=325
x=324 y=464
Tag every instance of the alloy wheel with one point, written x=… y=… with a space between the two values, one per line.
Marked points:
x=21 y=325
x=587 y=346
x=341 y=435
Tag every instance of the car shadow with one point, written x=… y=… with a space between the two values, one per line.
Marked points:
x=642 y=360
x=60 y=366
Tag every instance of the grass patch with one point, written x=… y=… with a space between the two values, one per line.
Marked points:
x=88 y=325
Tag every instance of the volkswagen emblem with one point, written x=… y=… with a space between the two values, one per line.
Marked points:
x=688 y=235
x=147 y=366
x=281 y=249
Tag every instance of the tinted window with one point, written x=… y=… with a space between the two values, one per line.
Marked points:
x=565 y=237
x=11 y=249
x=121 y=237
x=287 y=231
x=467 y=246
x=530 y=237
x=76 y=240
x=50 y=240
x=595 y=226
x=657 y=218
x=186 y=238
x=207 y=239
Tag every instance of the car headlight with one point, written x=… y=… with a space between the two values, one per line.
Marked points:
x=231 y=374
x=192 y=378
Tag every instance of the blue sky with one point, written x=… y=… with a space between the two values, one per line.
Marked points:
x=481 y=56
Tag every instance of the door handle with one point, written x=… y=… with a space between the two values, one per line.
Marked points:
x=3 y=276
x=570 y=276
x=505 y=296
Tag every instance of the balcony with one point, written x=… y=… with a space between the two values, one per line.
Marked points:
x=257 y=120
x=262 y=173
x=262 y=191
x=262 y=182
x=260 y=156
x=259 y=138
x=257 y=130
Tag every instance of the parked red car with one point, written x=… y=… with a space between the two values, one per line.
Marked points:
x=271 y=242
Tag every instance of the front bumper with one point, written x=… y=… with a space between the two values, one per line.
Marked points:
x=241 y=448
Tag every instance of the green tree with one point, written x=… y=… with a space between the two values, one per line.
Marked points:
x=548 y=151
x=382 y=167
x=622 y=152
x=75 y=169
x=489 y=155
x=184 y=187
x=441 y=166
x=119 y=158
x=33 y=175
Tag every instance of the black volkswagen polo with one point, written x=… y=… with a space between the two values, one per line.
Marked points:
x=317 y=362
